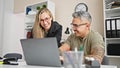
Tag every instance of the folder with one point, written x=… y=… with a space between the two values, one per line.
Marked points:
x=118 y=27
x=108 y=28
x=113 y=28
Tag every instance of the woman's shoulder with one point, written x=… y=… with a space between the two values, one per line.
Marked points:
x=56 y=24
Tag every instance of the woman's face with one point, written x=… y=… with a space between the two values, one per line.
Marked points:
x=45 y=21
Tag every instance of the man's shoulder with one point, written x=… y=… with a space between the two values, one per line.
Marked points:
x=73 y=36
x=95 y=34
x=92 y=32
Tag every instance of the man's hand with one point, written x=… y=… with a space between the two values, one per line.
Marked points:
x=61 y=58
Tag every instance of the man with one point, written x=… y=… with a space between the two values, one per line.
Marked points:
x=91 y=41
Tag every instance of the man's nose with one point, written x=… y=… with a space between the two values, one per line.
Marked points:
x=73 y=28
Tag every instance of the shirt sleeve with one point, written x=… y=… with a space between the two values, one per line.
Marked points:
x=97 y=48
x=58 y=35
x=71 y=41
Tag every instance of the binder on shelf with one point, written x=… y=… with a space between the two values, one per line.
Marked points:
x=118 y=27
x=28 y=34
x=27 y=10
x=113 y=28
x=108 y=28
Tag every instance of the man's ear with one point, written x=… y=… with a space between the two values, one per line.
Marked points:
x=88 y=24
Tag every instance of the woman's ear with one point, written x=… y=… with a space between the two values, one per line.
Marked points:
x=51 y=19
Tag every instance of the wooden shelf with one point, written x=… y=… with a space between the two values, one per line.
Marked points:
x=31 y=15
x=29 y=23
x=112 y=13
x=28 y=28
x=113 y=9
x=114 y=17
x=113 y=56
x=112 y=38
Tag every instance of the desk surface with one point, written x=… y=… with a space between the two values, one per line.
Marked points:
x=28 y=66
x=23 y=65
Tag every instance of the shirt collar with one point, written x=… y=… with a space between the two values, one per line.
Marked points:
x=85 y=36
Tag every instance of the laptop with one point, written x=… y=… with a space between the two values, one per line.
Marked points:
x=43 y=52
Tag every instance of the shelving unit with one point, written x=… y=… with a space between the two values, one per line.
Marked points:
x=112 y=27
x=112 y=13
x=29 y=21
x=31 y=11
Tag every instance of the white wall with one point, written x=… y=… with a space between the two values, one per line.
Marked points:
x=65 y=8
x=1 y=24
x=13 y=29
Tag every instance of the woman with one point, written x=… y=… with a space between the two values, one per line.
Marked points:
x=44 y=26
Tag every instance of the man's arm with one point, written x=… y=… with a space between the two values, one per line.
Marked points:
x=97 y=52
x=64 y=47
x=97 y=49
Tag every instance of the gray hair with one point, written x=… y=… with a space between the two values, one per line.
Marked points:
x=81 y=15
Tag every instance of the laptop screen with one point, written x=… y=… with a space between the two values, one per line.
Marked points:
x=42 y=52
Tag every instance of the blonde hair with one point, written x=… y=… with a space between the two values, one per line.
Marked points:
x=38 y=30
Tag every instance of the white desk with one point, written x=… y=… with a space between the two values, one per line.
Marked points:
x=28 y=66
x=23 y=65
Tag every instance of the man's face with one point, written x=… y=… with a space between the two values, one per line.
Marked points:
x=45 y=20
x=79 y=27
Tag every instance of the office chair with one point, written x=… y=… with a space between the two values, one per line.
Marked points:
x=13 y=55
x=105 y=61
